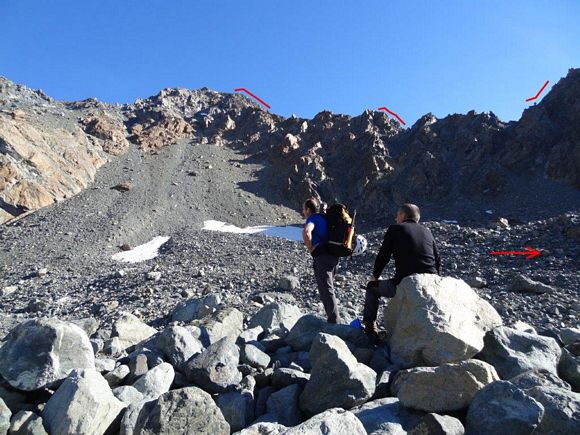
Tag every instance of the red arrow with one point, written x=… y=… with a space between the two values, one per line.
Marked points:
x=252 y=95
x=528 y=252
x=539 y=92
x=392 y=113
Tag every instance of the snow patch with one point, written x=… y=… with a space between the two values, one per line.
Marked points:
x=144 y=252
x=288 y=232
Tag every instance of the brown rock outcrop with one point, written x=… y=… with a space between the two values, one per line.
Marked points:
x=112 y=133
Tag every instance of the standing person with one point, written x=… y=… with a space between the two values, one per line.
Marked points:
x=315 y=236
x=414 y=249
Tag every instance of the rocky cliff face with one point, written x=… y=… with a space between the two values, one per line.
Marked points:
x=51 y=150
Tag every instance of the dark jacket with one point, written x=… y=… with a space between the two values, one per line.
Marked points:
x=414 y=249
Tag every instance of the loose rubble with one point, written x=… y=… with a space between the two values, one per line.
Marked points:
x=314 y=378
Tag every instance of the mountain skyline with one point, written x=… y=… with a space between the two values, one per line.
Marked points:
x=301 y=58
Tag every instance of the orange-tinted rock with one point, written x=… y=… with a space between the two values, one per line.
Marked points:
x=112 y=133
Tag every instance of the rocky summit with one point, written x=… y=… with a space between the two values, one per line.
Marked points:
x=51 y=150
x=122 y=313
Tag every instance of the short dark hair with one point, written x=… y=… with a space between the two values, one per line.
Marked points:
x=411 y=211
x=312 y=204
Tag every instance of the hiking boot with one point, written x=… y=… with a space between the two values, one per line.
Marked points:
x=370 y=328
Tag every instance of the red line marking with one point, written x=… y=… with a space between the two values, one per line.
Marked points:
x=252 y=95
x=392 y=113
x=528 y=252
x=539 y=92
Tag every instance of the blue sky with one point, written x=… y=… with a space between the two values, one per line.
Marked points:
x=300 y=57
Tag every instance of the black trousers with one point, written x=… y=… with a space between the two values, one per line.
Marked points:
x=376 y=290
x=324 y=271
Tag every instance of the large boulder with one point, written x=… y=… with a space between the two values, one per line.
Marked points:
x=255 y=357
x=569 y=335
x=337 y=378
x=14 y=399
x=194 y=309
x=117 y=375
x=513 y=352
x=215 y=369
x=569 y=369
x=129 y=330
x=289 y=282
x=38 y=353
x=130 y=417
x=178 y=345
x=284 y=377
x=128 y=394
x=237 y=408
x=435 y=424
x=276 y=316
x=449 y=387
x=540 y=378
x=156 y=381
x=521 y=283
x=296 y=360
x=26 y=423
x=332 y=422
x=284 y=406
x=228 y=322
x=187 y=411
x=262 y=396
x=501 y=408
x=386 y=416
x=309 y=326
x=561 y=410
x=434 y=320
x=84 y=403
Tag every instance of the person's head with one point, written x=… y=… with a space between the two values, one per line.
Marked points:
x=408 y=211
x=311 y=206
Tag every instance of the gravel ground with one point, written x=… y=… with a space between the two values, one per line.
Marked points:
x=175 y=191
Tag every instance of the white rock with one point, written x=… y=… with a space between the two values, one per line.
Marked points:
x=104 y=364
x=26 y=423
x=84 y=403
x=8 y=290
x=5 y=415
x=117 y=375
x=434 y=320
x=156 y=381
x=449 y=387
x=332 y=422
x=513 y=352
x=131 y=331
x=337 y=378
x=178 y=344
x=128 y=394
x=40 y=352
x=276 y=316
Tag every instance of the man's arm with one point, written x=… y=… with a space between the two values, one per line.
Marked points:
x=384 y=255
x=307 y=236
x=437 y=258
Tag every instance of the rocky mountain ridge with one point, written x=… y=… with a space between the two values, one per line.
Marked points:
x=51 y=150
